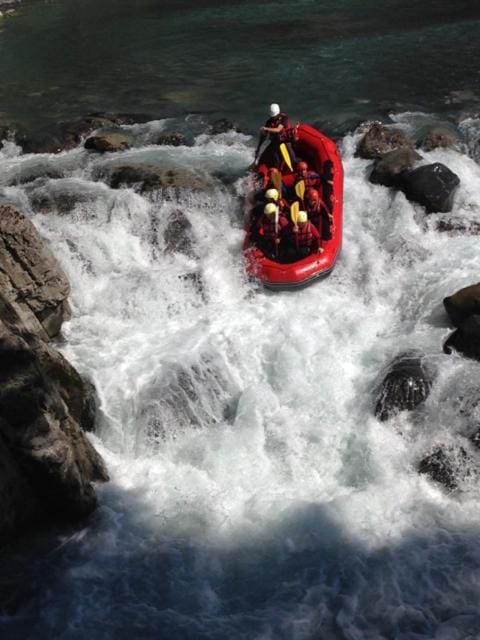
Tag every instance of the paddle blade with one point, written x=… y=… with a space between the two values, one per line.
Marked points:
x=286 y=156
x=300 y=189
x=277 y=181
x=294 y=210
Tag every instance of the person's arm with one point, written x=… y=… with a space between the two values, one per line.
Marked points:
x=273 y=129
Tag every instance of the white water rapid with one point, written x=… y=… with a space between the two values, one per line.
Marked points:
x=253 y=494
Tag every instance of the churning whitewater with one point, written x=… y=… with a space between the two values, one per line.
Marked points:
x=253 y=495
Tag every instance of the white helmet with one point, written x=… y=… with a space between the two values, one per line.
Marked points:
x=274 y=109
x=271 y=194
x=269 y=209
x=302 y=217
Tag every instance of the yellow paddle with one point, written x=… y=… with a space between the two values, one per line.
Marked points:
x=276 y=177
x=286 y=156
x=300 y=189
x=294 y=211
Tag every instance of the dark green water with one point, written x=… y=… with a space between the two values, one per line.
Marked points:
x=330 y=60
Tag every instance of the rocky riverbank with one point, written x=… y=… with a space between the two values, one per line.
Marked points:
x=47 y=464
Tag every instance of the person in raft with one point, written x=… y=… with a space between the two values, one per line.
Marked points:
x=310 y=178
x=303 y=238
x=318 y=213
x=276 y=130
x=270 y=230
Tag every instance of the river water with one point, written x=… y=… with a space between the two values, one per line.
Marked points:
x=253 y=495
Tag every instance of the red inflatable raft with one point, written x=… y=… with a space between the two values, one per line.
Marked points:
x=315 y=148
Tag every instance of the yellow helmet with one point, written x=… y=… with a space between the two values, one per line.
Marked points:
x=302 y=217
x=270 y=209
x=271 y=194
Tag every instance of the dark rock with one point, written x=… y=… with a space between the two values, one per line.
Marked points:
x=7 y=132
x=439 y=137
x=33 y=287
x=458 y=225
x=68 y=135
x=379 y=140
x=150 y=178
x=43 y=447
x=388 y=170
x=446 y=466
x=107 y=142
x=171 y=139
x=178 y=234
x=463 y=303
x=433 y=186
x=466 y=339
x=223 y=126
x=406 y=385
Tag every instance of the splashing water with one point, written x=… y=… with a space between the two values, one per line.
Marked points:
x=253 y=494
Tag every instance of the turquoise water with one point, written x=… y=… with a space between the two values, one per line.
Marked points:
x=321 y=60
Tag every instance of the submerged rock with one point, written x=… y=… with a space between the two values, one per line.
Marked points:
x=178 y=234
x=107 y=142
x=463 y=303
x=32 y=283
x=406 y=385
x=458 y=225
x=223 y=125
x=379 y=140
x=388 y=170
x=466 y=339
x=196 y=394
x=447 y=466
x=171 y=139
x=144 y=178
x=433 y=186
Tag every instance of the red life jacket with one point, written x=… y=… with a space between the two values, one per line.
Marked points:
x=312 y=180
x=268 y=228
x=307 y=236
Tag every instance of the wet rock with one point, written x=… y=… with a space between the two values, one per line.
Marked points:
x=33 y=286
x=466 y=339
x=433 y=186
x=223 y=126
x=406 y=385
x=178 y=234
x=64 y=136
x=388 y=170
x=439 y=137
x=107 y=143
x=379 y=140
x=41 y=444
x=171 y=139
x=463 y=303
x=146 y=178
x=7 y=132
x=458 y=225
x=446 y=465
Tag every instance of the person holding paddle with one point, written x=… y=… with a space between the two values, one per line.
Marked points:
x=270 y=230
x=318 y=213
x=275 y=134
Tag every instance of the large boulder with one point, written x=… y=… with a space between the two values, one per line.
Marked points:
x=32 y=283
x=388 y=170
x=107 y=142
x=466 y=339
x=379 y=140
x=463 y=303
x=433 y=186
x=406 y=385
x=45 y=454
x=145 y=178
x=222 y=125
